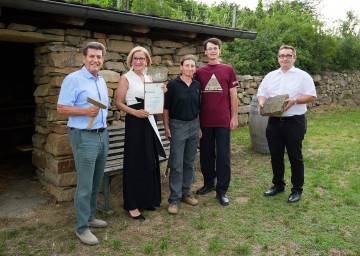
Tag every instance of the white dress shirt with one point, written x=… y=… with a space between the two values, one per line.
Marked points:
x=294 y=82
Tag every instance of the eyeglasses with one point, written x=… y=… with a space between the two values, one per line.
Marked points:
x=287 y=56
x=212 y=49
x=141 y=59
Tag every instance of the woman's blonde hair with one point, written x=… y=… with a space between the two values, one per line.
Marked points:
x=137 y=49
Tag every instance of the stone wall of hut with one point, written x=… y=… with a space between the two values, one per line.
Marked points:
x=54 y=60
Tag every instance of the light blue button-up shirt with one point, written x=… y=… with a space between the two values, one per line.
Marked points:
x=75 y=89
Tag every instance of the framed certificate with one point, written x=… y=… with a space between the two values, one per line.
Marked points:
x=153 y=98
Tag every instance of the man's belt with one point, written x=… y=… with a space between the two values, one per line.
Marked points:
x=99 y=130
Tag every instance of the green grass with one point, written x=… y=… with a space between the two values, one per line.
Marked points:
x=324 y=222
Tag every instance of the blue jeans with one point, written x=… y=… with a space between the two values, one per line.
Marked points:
x=183 y=146
x=215 y=157
x=90 y=151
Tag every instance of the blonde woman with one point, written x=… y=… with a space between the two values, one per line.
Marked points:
x=141 y=181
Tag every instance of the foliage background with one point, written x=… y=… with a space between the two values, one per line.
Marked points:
x=278 y=22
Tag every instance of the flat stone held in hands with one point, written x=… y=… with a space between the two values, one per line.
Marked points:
x=274 y=106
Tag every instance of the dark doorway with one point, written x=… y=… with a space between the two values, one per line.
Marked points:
x=17 y=109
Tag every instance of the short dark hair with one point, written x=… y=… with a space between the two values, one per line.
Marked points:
x=212 y=40
x=94 y=45
x=284 y=46
x=188 y=57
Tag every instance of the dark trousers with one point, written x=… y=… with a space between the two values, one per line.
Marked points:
x=215 y=157
x=183 y=145
x=281 y=133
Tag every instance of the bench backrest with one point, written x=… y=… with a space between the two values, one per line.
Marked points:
x=116 y=146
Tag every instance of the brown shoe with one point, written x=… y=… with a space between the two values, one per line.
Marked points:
x=190 y=200
x=173 y=208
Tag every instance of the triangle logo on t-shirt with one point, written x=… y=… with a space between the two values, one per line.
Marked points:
x=213 y=85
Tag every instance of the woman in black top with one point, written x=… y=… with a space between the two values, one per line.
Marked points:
x=181 y=110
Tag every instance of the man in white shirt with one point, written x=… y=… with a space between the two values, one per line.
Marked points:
x=287 y=131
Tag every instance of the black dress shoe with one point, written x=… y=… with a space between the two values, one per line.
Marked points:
x=294 y=197
x=139 y=217
x=223 y=200
x=273 y=191
x=205 y=189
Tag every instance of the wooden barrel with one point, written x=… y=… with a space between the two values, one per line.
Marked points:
x=257 y=128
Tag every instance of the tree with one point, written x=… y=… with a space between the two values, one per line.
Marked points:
x=348 y=53
x=277 y=22
x=284 y=22
x=158 y=7
x=350 y=26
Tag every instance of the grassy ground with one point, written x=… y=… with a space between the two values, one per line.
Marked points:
x=324 y=222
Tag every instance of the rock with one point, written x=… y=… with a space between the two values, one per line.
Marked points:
x=60 y=165
x=58 y=144
x=120 y=46
x=110 y=76
x=247 y=77
x=62 y=194
x=159 y=73
x=167 y=44
x=244 y=109
x=187 y=50
x=39 y=140
x=115 y=66
x=274 y=106
x=60 y=180
x=243 y=119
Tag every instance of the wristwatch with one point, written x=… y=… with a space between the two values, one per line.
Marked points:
x=295 y=101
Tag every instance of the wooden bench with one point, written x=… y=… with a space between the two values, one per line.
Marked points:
x=25 y=148
x=114 y=163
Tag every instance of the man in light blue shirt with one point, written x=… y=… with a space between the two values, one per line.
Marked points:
x=90 y=146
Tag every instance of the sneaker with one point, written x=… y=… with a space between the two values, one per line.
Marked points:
x=87 y=237
x=96 y=223
x=173 y=208
x=190 y=200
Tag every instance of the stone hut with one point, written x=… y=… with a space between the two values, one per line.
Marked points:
x=42 y=42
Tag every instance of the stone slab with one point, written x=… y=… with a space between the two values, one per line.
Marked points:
x=274 y=106
x=28 y=37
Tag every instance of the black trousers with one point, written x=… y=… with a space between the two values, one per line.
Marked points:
x=215 y=157
x=281 y=133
